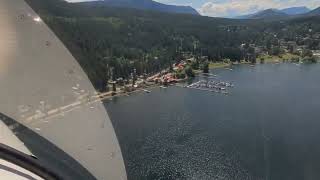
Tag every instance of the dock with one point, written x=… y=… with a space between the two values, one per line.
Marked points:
x=211 y=86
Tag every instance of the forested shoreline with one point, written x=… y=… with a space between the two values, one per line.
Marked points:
x=110 y=43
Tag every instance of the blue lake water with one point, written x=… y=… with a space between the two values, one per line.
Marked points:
x=268 y=127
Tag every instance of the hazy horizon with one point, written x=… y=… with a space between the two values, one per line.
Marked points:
x=232 y=8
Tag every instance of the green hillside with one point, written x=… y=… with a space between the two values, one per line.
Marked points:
x=102 y=38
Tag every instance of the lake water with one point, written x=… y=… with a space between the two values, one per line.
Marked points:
x=268 y=127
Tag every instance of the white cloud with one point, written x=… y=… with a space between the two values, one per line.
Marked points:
x=230 y=8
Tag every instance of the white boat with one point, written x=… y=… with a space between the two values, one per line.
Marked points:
x=147 y=91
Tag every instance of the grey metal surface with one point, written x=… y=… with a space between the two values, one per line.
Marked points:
x=7 y=137
x=43 y=87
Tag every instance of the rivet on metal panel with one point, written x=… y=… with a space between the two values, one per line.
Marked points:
x=48 y=43
x=112 y=155
x=22 y=17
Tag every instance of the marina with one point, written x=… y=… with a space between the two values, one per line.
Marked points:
x=212 y=86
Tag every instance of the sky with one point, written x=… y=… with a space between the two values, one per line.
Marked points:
x=232 y=8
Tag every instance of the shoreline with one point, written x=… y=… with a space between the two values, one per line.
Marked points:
x=218 y=65
x=108 y=95
x=103 y=96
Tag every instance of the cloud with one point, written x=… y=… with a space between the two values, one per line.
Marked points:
x=231 y=8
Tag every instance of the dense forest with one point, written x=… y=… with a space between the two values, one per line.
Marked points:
x=104 y=39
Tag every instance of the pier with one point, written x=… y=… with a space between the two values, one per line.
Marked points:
x=212 y=86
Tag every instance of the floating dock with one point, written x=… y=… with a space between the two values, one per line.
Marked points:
x=212 y=86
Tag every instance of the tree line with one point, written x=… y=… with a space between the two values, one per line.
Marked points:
x=116 y=41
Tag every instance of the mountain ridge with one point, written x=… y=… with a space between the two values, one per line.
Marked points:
x=296 y=10
x=315 y=12
x=281 y=13
x=143 y=5
x=267 y=13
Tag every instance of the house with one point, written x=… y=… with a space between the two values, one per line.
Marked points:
x=191 y=60
x=187 y=54
x=179 y=66
x=258 y=49
x=301 y=48
x=316 y=53
x=291 y=46
x=120 y=81
x=316 y=36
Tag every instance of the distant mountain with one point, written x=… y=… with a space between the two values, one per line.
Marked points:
x=268 y=13
x=275 y=13
x=144 y=5
x=296 y=10
x=315 y=12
